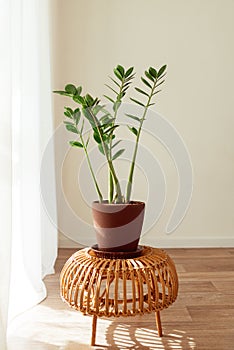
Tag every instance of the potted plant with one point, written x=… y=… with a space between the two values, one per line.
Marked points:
x=117 y=220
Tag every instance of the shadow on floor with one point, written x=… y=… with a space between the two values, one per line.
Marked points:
x=125 y=336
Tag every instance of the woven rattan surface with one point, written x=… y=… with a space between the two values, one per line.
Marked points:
x=119 y=287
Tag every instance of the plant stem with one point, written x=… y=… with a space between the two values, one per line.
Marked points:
x=109 y=161
x=91 y=169
x=132 y=167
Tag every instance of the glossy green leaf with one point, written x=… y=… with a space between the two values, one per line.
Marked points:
x=97 y=137
x=120 y=70
x=71 y=89
x=133 y=130
x=117 y=74
x=114 y=81
x=146 y=82
x=138 y=102
x=162 y=70
x=153 y=72
x=149 y=76
x=128 y=79
x=116 y=143
x=78 y=90
x=109 y=98
x=63 y=93
x=156 y=92
x=67 y=114
x=111 y=129
x=79 y=99
x=118 y=154
x=161 y=82
x=71 y=128
x=68 y=109
x=76 y=116
x=141 y=91
x=76 y=144
x=88 y=116
x=112 y=89
x=133 y=117
x=101 y=148
x=129 y=72
x=89 y=100
x=68 y=123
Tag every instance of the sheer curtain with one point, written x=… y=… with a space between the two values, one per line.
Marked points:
x=28 y=239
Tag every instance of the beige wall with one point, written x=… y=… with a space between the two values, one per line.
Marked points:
x=195 y=39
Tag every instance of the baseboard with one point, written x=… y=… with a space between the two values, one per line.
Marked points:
x=65 y=242
x=191 y=243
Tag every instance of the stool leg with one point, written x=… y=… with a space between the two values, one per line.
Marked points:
x=94 y=326
x=158 y=323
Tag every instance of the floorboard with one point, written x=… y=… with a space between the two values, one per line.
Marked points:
x=202 y=318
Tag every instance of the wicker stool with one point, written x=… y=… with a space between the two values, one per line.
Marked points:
x=108 y=287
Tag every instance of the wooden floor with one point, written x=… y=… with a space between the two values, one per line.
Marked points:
x=202 y=318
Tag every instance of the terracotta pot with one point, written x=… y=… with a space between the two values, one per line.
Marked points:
x=118 y=226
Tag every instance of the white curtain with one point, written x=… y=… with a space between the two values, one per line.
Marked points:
x=28 y=238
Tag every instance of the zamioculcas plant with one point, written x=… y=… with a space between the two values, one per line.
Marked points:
x=104 y=123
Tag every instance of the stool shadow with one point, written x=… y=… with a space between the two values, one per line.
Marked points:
x=124 y=335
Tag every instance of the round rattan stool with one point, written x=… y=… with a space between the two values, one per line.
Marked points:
x=112 y=286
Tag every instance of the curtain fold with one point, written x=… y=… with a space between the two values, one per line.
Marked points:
x=28 y=238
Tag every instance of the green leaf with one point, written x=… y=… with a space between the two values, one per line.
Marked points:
x=89 y=100
x=97 y=137
x=110 y=99
x=111 y=129
x=101 y=148
x=129 y=72
x=111 y=89
x=118 y=154
x=120 y=70
x=80 y=100
x=153 y=72
x=138 y=102
x=114 y=81
x=161 y=82
x=117 y=74
x=156 y=92
x=149 y=76
x=128 y=79
x=68 y=123
x=71 y=89
x=133 y=130
x=67 y=114
x=69 y=110
x=133 y=117
x=71 y=128
x=106 y=120
x=97 y=109
x=76 y=144
x=141 y=91
x=116 y=143
x=63 y=93
x=88 y=116
x=77 y=115
x=78 y=90
x=162 y=70
x=146 y=82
